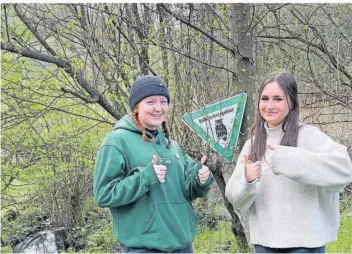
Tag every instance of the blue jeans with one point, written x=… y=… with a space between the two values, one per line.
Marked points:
x=263 y=249
x=125 y=249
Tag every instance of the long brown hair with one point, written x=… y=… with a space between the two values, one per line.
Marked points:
x=139 y=125
x=290 y=124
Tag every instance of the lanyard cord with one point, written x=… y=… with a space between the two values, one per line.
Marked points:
x=161 y=153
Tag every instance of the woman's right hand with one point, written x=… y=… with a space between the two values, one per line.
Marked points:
x=160 y=170
x=252 y=170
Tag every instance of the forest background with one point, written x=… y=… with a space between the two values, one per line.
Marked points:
x=66 y=71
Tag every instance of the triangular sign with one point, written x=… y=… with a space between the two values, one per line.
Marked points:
x=219 y=124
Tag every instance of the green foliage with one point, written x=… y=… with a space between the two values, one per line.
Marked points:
x=50 y=139
x=221 y=239
x=208 y=216
x=77 y=63
x=345 y=203
x=96 y=233
x=217 y=240
x=344 y=237
x=21 y=224
x=6 y=249
x=49 y=151
x=16 y=225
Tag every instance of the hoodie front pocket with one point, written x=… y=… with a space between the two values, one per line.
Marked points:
x=171 y=226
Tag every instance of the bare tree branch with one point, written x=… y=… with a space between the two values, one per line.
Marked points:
x=232 y=50
x=32 y=28
x=80 y=96
x=323 y=48
x=78 y=76
x=32 y=54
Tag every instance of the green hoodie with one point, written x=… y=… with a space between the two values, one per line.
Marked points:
x=146 y=213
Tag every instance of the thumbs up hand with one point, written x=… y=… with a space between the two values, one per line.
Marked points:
x=160 y=170
x=253 y=170
x=203 y=173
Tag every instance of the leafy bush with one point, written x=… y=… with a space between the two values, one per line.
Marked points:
x=97 y=232
x=209 y=214
x=16 y=226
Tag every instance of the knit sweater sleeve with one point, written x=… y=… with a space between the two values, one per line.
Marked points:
x=316 y=161
x=238 y=191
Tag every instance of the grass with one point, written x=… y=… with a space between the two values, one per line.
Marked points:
x=219 y=240
x=344 y=237
x=99 y=239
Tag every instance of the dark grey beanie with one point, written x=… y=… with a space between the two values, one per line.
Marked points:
x=147 y=86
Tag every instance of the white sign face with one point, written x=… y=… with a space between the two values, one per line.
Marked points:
x=218 y=124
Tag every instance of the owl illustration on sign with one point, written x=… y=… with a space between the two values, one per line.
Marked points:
x=220 y=130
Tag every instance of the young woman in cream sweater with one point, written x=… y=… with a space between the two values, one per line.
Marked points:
x=288 y=175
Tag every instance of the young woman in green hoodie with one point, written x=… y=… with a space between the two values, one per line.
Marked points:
x=146 y=180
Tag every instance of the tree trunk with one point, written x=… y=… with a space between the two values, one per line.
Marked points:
x=143 y=25
x=243 y=62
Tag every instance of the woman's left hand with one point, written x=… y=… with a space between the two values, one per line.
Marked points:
x=203 y=172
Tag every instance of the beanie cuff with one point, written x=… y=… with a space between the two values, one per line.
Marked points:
x=147 y=90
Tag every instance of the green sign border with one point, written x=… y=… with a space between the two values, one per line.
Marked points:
x=227 y=153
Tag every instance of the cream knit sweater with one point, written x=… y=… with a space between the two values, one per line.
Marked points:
x=296 y=201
